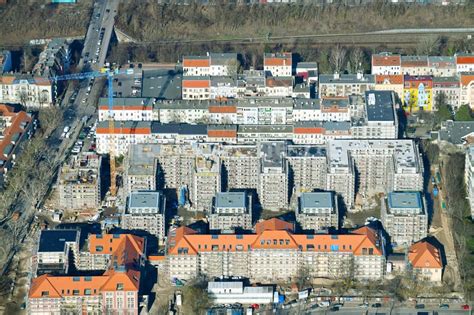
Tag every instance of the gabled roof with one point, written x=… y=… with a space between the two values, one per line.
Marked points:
x=273 y=224
x=275 y=239
x=126 y=248
x=388 y=79
x=62 y=286
x=424 y=255
x=386 y=60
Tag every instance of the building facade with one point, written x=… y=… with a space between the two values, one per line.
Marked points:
x=231 y=210
x=317 y=211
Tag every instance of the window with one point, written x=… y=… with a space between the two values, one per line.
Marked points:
x=87 y=291
x=76 y=279
x=88 y=278
x=239 y=236
x=44 y=293
x=99 y=248
x=119 y=286
x=75 y=292
x=214 y=237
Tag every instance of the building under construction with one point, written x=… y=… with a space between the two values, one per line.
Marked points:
x=79 y=182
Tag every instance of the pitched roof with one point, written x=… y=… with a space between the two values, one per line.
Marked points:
x=283 y=59
x=62 y=286
x=197 y=62
x=127 y=248
x=386 y=60
x=196 y=83
x=388 y=79
x=424 y=255
x=273 y=224
x=469 y=59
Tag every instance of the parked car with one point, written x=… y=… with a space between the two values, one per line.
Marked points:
x=466 y=307
x=76 y=150
x=324 y=304
x=419 y=306
x=444 y=306
x=377 y=305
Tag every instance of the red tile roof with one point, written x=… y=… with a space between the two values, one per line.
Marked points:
x=388 y=79
x=465 y=59
x=196 y=63
x=382 y=60
x=424 y=255
x=187 y=83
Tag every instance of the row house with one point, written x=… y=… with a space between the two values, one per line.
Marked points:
x=464 y=63
x=275 y=252
x=341 y=85
x=127 y=108
x=27 y=90
x=390 y=82
x=278 y=64
x=196 y=88
x=213 y=64
x=418 y=93
x=450 y=87
x=319 y=132
x=386 y=64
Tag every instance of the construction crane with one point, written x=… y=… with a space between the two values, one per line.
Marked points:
x=96 y=74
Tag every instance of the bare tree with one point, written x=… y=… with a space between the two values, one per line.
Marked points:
x=337 y=58
x=429 y=45
x=356 y=58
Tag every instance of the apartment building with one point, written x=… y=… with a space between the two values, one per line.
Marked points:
x=450 y=87
x=469 y=176
x=140 y=168
x=79 y=182
x=124 y=134
x=196 y=66
x=146 y=210
x=54 y=250
x=390 y=83
x=273 y=178
x=206 y=182
x=307 y=167
x=379 y=120
x=279 y=86
x=182 y=111
x=223 y=87
x=278 y=64
x=241 y=165
x=326 y=109
x=386 y=64
x=115 y=291
x=317 y=211
x=15 y=129
x=404 y=217
x=127 y=108
x=231 y=210
x=381 y=165
x=418 y=93
x=426 y=261
x=26 y=90
x=275 y=253
x=341 y=85
x=464 y=63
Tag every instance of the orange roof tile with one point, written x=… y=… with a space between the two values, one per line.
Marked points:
x=424 y=255
x=122 y=131
x=15 y=126
x=222 y=133
x=276 y=61
x=62 y=286
x=196 y=63
x=126 y=248
x=388 y=79
x=465 y=59
x=382 y=60
x=275 y=239
x=308 y=130
x=273 y=224
x=7 y=79
x=195 y=84
x=467 y=79
x=156 y=257
x=223 y=109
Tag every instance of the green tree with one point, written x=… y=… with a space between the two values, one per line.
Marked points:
x=443 y=110
x=463 y=113
x=195 y=298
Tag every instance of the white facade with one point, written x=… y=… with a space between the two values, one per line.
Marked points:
x=26 y=92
